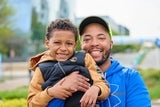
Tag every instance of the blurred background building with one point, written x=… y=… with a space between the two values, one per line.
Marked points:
x=32 y=16
x=49 y=10
x=21 y=20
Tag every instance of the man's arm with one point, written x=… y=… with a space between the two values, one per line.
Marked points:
x=137 y=93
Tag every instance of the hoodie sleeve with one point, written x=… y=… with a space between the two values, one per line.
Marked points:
x=37 y=97
x=137 y=93
x=98 y=80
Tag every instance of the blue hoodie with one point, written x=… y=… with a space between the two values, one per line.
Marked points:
x=127 y=87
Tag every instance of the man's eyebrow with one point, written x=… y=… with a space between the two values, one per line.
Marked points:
x=101 y=34
x=87 y=35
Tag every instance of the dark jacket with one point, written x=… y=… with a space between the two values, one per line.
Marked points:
x=54 y=71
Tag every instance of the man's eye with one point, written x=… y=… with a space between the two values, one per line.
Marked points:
x=85 y=40
x=101 y=38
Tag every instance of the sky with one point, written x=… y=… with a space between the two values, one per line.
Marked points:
x=141 y=17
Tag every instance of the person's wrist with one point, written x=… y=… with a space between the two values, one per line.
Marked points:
x=49 y=91
x=99 y=90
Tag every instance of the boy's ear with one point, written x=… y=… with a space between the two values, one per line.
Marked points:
x=47 y=43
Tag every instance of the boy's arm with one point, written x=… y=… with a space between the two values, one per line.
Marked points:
x=37 y=97
x=40 y=98
x=98 y=80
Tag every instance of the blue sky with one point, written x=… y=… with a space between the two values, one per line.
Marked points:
x=142 y=17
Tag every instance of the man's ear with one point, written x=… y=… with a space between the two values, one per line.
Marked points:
x=111 y=44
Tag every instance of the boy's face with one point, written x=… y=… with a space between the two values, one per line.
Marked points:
x=61 y=44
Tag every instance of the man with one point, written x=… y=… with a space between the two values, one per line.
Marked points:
x=126 y=84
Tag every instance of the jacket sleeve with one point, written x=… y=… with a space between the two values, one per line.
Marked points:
x=137 y=93
x=36 y=96
x=98 y=80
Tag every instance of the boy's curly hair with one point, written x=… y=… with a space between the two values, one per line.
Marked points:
x=61 y=24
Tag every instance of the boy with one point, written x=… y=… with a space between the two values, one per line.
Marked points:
x=57 y=62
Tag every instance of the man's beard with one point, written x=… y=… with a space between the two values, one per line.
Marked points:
x=104 y=58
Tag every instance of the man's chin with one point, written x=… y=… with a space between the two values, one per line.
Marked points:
x=99 y=61
x=96 y=59
x=101 y=58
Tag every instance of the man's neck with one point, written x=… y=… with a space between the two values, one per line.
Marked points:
x=105 y=65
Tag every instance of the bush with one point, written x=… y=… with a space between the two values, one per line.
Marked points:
x=13 y=103
x=152 y=78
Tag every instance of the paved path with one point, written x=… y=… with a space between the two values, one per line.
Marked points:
x=14 y=75
x=14 y=83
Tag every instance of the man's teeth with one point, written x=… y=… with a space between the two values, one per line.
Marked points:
x=95 y=52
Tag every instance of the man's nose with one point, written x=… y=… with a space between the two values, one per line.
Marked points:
x=94 y=42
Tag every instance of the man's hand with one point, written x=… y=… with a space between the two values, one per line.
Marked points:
x=68 y=85
x=58 y=91
x=76 y=82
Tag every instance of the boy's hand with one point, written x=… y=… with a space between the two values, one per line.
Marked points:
x=90 y=97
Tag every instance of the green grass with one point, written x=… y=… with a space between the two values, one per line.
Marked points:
x=20 y=92
x=14 y=98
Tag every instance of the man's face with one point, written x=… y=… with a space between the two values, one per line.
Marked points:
x=96 y=41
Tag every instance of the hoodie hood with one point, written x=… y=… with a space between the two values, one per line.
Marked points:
x=35 y=60
x=114 y=68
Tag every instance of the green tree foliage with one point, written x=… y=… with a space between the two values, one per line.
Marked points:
x=38 y=32
x=123 y=48
x=5 y=31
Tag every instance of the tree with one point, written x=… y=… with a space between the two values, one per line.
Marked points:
x=5 y=31
x=38 y=31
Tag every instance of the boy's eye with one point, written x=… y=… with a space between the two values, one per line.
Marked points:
x=69 y=43
x=56 y=42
